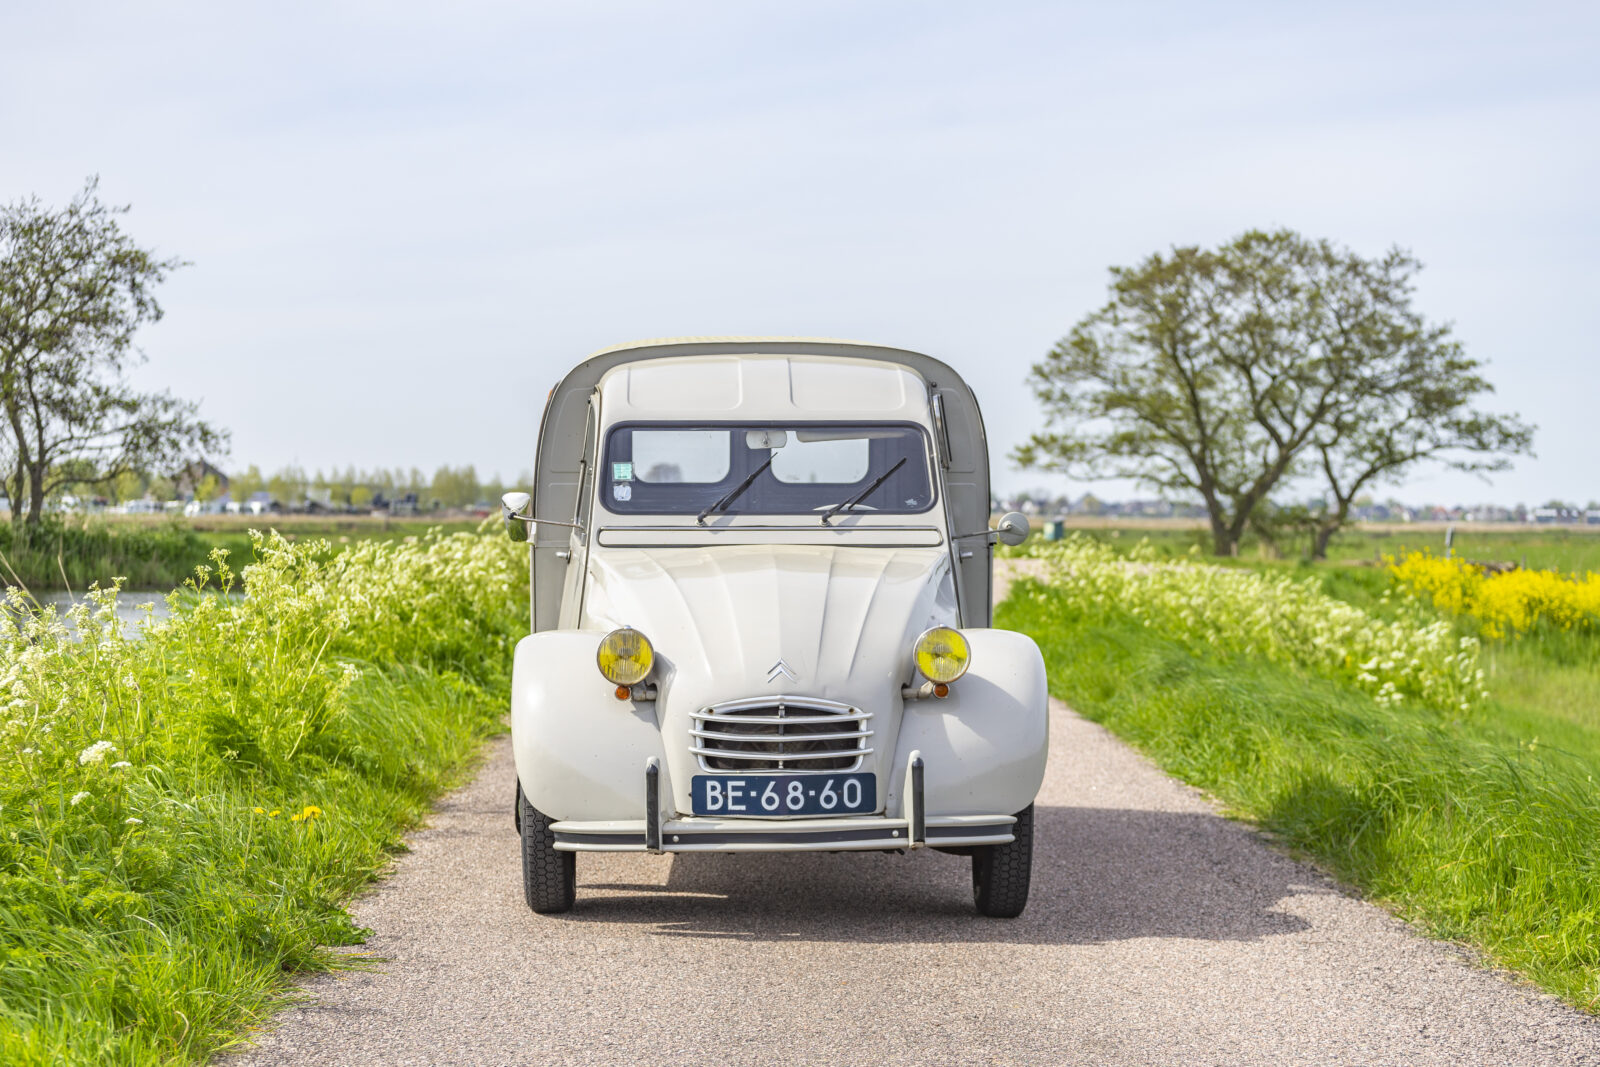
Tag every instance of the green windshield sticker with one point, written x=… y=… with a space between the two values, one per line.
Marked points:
x=622 y=472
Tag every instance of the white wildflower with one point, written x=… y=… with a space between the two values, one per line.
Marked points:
x=120 y=764
x=76 y=797
x=131 y=821
x=96 y=752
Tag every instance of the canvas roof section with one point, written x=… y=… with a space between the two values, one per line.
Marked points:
x=760 y=387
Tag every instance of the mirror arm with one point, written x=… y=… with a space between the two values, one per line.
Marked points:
x=531 y=521
x=992 y=535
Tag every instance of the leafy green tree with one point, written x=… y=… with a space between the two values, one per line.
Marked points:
x=74 y=290
x=246 y=484
x=454 y=488
x=288 y=486
x=129 y=485
x=1224 y=373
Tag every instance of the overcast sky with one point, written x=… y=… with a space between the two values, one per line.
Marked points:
x=407 y=220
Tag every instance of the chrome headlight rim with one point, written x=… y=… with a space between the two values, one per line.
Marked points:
x=960 y=640
x=625 y=678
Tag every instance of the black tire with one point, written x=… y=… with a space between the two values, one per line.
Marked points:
x=1001 y=873
x=549 y=878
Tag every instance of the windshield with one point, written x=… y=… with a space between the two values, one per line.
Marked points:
x=790 y=468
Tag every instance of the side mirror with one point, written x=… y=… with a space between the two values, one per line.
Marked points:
x=517 y=510
x=1013 y=528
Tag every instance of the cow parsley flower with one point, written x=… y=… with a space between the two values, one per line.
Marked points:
x=77 y=797
x=120 y=764
x=95 y=753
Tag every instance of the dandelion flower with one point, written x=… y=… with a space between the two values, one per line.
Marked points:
x=261 y=811
x=274 y=813
x=96 y=752
x=77 y=797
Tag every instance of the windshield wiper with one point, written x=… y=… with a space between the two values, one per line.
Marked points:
x=733 y=494
x=859 y=497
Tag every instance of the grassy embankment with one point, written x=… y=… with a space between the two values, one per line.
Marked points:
x=159 y=552
x=1566 y=548
x=182 y=815
x=1470 y=808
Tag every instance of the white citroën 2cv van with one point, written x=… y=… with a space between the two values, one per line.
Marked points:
x=761 y=603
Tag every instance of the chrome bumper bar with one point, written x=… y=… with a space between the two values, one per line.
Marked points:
x=843 y=833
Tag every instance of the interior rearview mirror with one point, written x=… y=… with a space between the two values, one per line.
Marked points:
x=515 y=507
x=1013 y=528
x=754 y=439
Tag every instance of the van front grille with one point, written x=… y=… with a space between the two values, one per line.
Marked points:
x=780 y=734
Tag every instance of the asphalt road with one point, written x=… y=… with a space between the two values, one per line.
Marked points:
x=1158 y=932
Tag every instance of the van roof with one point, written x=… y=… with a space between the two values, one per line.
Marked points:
x=763 y=387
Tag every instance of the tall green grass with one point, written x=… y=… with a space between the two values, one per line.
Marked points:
x=73 y=553
x=1468 y=825
x=182 y=816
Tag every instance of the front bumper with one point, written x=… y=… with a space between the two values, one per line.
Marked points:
x=856 y=833
x=840 y=834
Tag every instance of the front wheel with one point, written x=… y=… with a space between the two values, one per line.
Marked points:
x=1001 y=873
x=549 y=878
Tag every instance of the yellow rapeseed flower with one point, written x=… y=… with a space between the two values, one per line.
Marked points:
x=1506 y=604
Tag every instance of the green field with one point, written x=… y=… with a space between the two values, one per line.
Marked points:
x=1565 y=548
x=1481 y=825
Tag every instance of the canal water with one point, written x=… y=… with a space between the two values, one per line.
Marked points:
x=130 y=606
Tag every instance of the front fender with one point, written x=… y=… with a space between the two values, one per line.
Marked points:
x=983 y=746
x=580 y=751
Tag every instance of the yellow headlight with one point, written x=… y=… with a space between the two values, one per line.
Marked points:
x=625 y=656
x=942 y=654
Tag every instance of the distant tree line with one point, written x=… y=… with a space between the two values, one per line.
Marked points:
x=291 y=487
x=447 y=487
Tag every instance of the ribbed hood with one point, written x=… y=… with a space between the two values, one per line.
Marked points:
x=841 y=619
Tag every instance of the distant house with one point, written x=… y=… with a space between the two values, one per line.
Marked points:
x=190 y=478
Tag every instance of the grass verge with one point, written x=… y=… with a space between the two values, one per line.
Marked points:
x=183 y=816
x=1460 y=824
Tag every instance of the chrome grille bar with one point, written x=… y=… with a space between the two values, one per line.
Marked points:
x=780 y=733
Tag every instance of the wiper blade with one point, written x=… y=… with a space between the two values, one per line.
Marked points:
x=733 y=494
x=859 y=497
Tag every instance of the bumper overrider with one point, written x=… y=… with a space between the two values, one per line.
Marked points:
x=838 y=833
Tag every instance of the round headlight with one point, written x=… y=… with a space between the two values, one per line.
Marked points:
x=942 y=654
x=625 y=656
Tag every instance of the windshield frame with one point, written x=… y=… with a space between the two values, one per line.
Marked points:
x=927 y=454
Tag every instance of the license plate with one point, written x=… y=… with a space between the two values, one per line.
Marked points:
x=784 y=794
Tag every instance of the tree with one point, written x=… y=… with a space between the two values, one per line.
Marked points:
x=1219 y=374
x=288 y=486
x=1418 y=408
x=74 y=289
x=247 y=484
